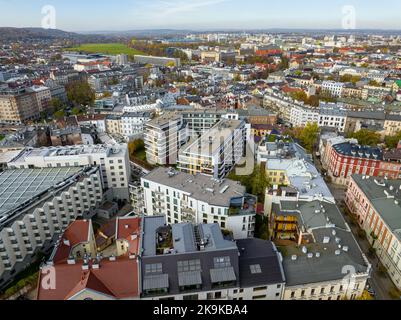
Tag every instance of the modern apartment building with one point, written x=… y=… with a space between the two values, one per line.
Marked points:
x=163 y=138
x=182 y=197
x=375 y=202
x=195 y=262
x=37 y=204
x=216 y=152
x=113 y=161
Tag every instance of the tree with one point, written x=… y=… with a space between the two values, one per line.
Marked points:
x=392 y=141
x=259 y=183
x=81 y=93
x=366 y=137
x=76 y=111
x=59 y=114
x=299 y=95
x=56 y=103
x=307 y=135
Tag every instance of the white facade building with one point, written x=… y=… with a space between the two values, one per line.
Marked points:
x=182 y=197
x=113 y=160
x=133 y=123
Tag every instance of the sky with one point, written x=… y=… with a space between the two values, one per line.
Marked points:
x=119 y=15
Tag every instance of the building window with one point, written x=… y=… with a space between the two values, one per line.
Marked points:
x=255 y=268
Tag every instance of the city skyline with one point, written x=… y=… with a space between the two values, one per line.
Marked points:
x=201 y=15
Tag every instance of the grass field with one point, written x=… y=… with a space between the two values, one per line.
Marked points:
x=106 y=48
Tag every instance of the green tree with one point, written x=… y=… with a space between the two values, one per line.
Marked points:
x=259 y=183
x=56 y=103
x=59 y=114
x=392 y=141
x=366 y=137
x=307 y=135
x=80 y=93
x=76 y=111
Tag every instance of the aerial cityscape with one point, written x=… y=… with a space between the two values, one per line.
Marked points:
x=200 y=150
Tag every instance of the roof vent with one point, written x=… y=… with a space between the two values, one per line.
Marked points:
x=66 y=242
x=112 y=258
x=95 y=266
x=294 y=257
x=326 y=239
x=304 y=250
x=71 y=261
x=334 y=232
x=345 y=248
x=337 y=252
x=85 y=267
x=317 y=254
x=310 y=255
x=338 y=240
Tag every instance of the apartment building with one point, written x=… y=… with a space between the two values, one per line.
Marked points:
x=332 y=116
x=195 y=262
x=96 y=120
x=333 y=88
x=43 y=97
x=37 y=204
x=344 y=157
x=113 y=161
x=163 y=138
x=326 y=116
x=216 y=152
x=183 y=197
x=375 y=202
x=113 y=124
x=301 y=116
x=17 y=106
x=133 y=123
x=83 y=271
x=321 y=240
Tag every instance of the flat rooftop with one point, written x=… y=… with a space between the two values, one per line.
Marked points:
x=211 y=140
x=19 y=186
x=200 y=187
x=70 y=151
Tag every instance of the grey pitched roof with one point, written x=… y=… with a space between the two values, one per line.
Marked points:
x=257 y=252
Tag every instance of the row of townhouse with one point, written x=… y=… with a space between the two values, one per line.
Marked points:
x=344 y=157
x=38 y=204
x=312 y=234
x=149 y=260
x=376 y=203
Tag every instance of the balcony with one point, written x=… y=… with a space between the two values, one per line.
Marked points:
x=243 y=206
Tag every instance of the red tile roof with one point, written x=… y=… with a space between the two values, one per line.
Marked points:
x=117 y=279
x=77 y=232
x=129 y=229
